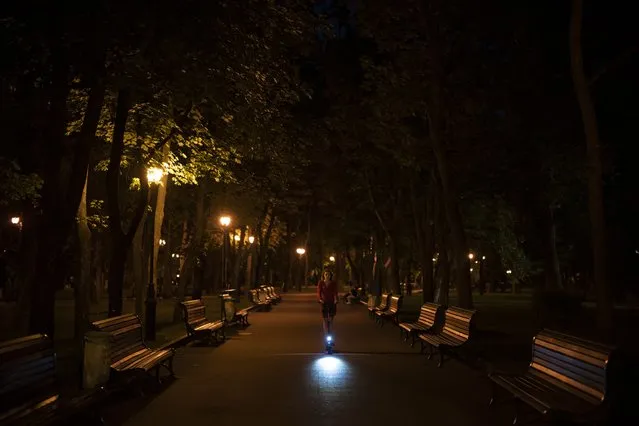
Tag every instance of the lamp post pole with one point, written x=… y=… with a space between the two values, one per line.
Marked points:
x=225 y=221
x=154 y=175
x=300 y=251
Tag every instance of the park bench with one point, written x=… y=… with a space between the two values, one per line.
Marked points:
x=454 y=334
x=265 y=296
x=257 y=301
x=367 y=301
x=383 y=305
x=274 y=293
x=233 y=315
x=566 y=378
x=392 y=312
x=128 y=354
x=271 y=295
x=428 y=315
x=29 y=392
x=198 y=326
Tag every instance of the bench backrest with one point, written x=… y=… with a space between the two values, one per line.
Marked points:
x=27 y=370
x=125 y=335
x=194 y=314
x=577 y=365
x=428 y=314
x=262 y=296
x=271 y=289
x=253 y=297
x=371 y=301
x=457 y=322
x=395 y=304
x=383 y=302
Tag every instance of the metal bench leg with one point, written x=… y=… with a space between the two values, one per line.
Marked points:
x=492 y=394
x=441 y=358
x=430 y=352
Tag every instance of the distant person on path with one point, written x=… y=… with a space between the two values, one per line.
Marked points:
x=327 y=296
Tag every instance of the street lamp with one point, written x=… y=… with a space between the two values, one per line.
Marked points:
x=225 y=221
x=154 y=176
x=332 y=258
x=162 y=242
x=300 y=251
x=251 y=239
x=17 y=221
x=471 y=256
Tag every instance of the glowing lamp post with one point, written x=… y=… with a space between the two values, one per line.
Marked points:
x=225 y=221
x=300 y=252
x=154 y=176
x=331 y=258
x=249 y=266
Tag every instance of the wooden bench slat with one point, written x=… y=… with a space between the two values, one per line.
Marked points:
x=27 y=378
x=196 y=323
x=566 y=374
x=570 y=366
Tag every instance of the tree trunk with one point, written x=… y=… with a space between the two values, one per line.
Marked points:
x=264 y=245
x=196 y=245
x=83 y=283
x=239 y=261
x=395 y=276
x=551 y=258
x=167 y=277
x=595 y=174
x=121 y=241
x=443 y=261
x=425 y=241
x=453 y=216
x=140 y=273
x=98 y=269
x=181 y=289
x=429 y=246
x=291 y=256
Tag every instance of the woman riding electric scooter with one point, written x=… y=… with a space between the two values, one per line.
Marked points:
x=328 y=297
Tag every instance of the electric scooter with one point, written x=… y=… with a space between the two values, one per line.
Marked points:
x=329 y=340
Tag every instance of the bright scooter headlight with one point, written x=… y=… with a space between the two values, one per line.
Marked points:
x=329 y=339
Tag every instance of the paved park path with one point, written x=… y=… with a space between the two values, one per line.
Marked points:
x=274 y=373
